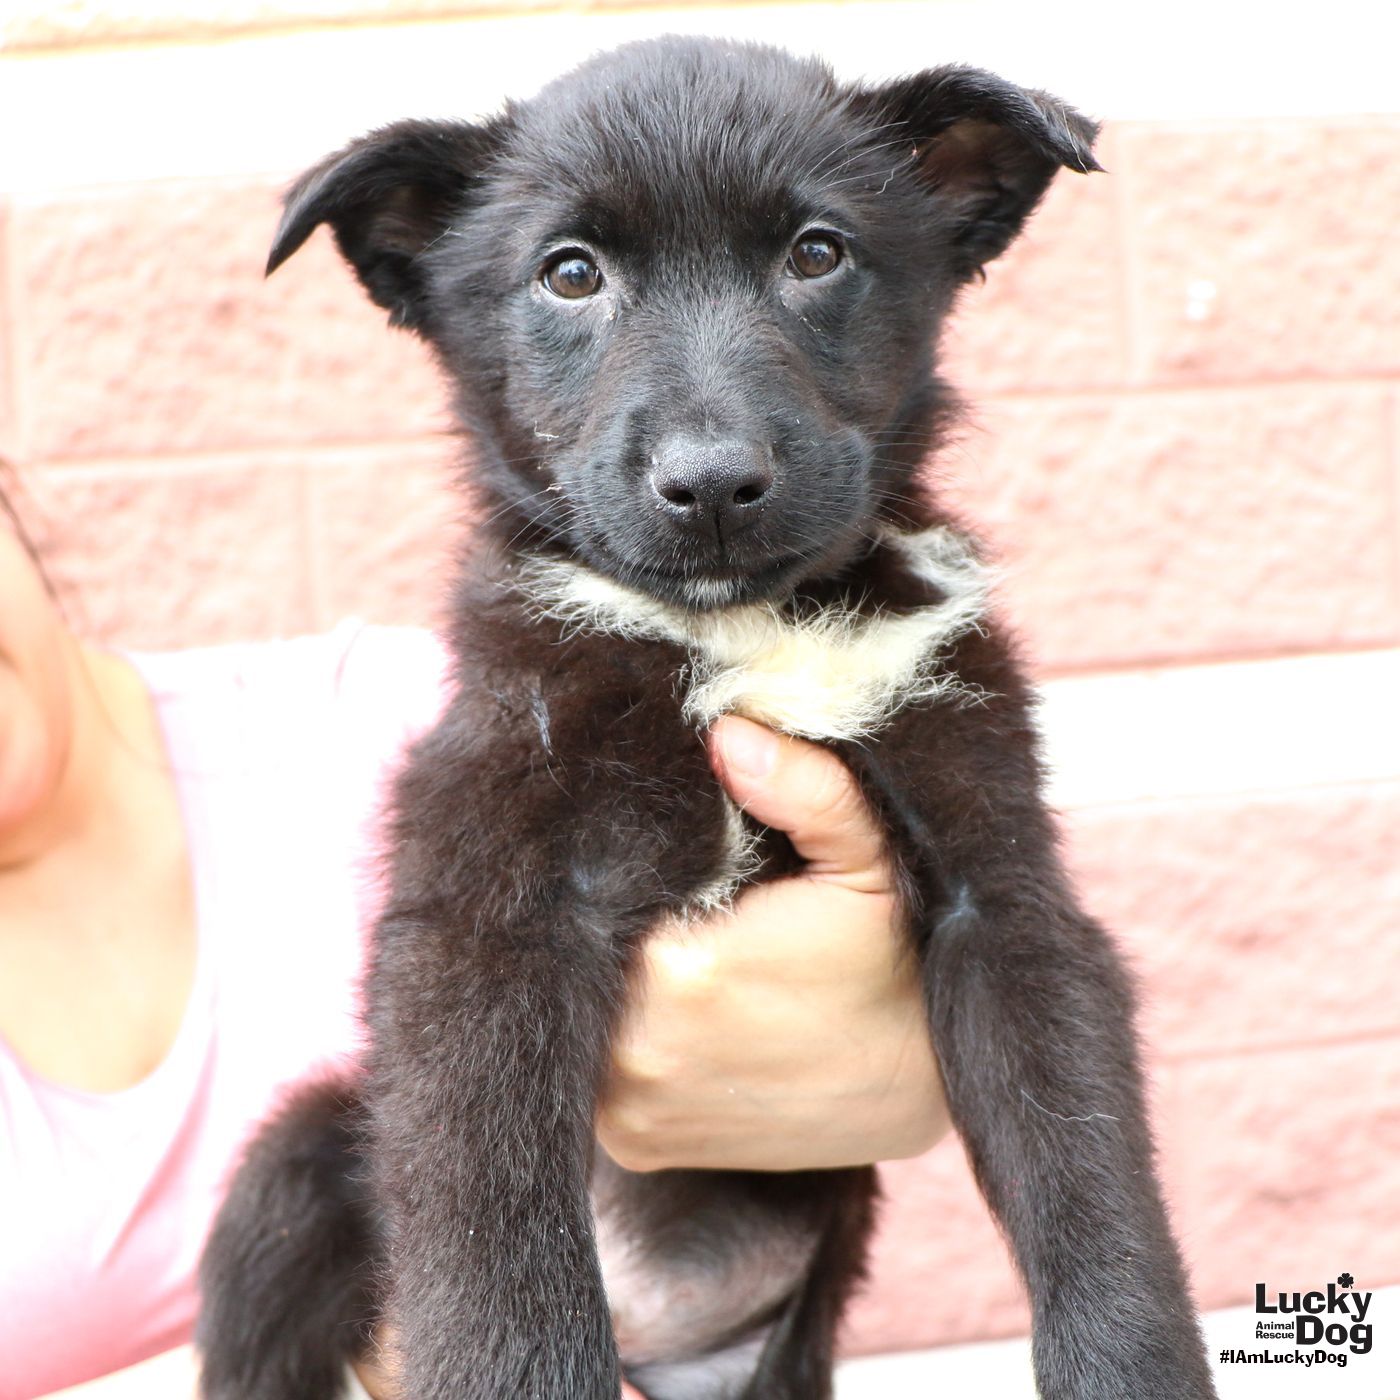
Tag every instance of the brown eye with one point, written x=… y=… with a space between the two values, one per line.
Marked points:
x=573 y=275
x=815 y=255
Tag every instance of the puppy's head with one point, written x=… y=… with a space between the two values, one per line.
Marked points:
x=687 y=295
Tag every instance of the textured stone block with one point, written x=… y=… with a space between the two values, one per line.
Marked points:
x=1293 y=1168
x=1050 y=313
x=153 y=331
x=1153 y=527
x=383 y=526
x=1264 y=251
x=1254 y=923
x=177 y=555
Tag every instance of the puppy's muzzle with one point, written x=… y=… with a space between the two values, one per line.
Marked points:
x=711 y=489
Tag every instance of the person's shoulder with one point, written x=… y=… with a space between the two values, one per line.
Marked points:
x=372 y=688
x=356 y=663
x=389 y=677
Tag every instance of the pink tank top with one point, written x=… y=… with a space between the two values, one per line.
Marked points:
x=280 y=752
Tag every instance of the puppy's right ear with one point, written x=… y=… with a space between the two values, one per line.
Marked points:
x=387 y=197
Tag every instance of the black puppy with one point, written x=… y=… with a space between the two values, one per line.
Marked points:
x=687 y=300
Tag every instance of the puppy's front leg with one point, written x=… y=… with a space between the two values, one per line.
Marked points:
x=483 y=1090
x=1032 y=1017
x=532 y=849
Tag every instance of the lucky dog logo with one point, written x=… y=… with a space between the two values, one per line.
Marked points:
x=1329 y=1323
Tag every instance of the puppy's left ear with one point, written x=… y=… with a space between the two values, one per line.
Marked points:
x=387 y=197
x=988 y=148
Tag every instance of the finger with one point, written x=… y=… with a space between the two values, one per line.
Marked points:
x=806 y=792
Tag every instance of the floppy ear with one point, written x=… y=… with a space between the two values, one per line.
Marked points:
x=988 y=147
x=387 y=197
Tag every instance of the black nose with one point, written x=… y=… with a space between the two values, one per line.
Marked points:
x=709 y=485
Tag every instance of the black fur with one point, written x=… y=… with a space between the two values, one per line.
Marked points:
x=298 y=1219
x=564 y=804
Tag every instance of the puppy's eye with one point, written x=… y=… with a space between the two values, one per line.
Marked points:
x=815 y=255
x=573 y=275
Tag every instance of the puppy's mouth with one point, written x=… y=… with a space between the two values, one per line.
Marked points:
x=716 y=586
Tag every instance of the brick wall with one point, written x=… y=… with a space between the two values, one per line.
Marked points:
x=1184 y=445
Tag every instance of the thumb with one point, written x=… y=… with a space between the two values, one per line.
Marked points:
x=806 y=792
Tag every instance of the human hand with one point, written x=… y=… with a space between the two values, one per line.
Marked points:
x=789 y=1034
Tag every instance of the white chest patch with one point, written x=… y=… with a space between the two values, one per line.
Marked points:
x=839 y=674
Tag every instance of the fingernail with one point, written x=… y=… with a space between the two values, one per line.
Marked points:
x=745 y=749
